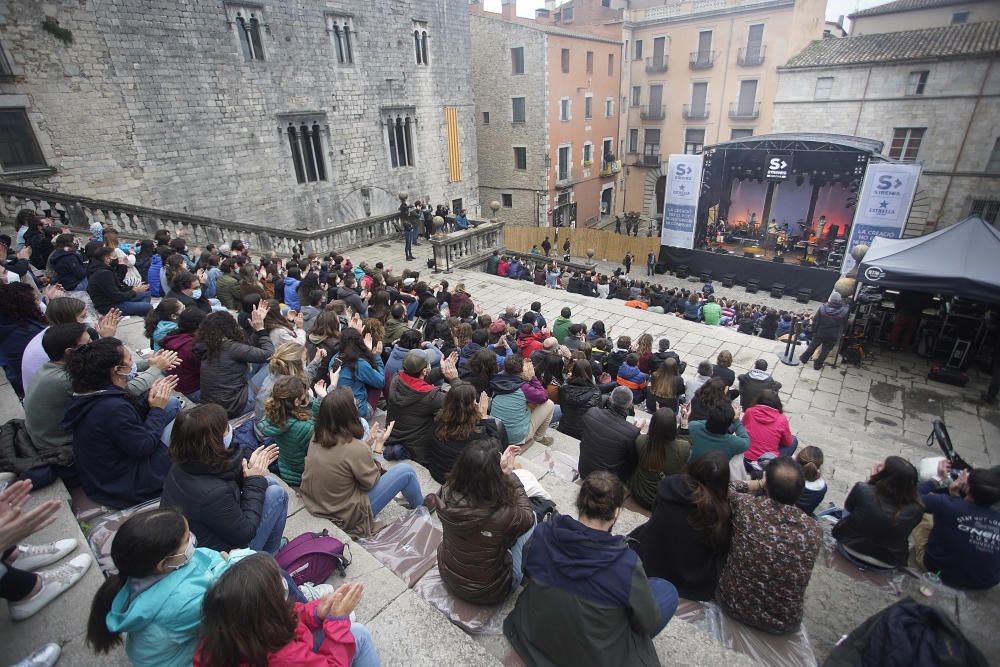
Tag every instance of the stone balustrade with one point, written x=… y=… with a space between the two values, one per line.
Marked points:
x=469 y=248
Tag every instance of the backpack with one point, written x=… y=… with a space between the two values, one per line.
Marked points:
x=312 y=557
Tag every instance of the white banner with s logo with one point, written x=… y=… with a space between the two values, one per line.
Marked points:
x=883 y=205
x=680 y=200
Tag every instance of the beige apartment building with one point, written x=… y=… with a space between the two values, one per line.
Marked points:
x=699 y=72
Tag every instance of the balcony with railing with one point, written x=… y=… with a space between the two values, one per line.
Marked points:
x=702 y=59
x=653 y=112
x=655 y=65
x=738 y=111
x=695 y=111
x=750 y=56
x=650 y=156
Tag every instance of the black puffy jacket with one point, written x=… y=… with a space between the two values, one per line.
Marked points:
x=575 y=398
x=608 y=443
x=443 y=453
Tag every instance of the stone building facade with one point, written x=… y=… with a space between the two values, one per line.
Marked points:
x=546 y=116
x=697 y=73
x=295 y=114
x=901 y=15
x=930 y=95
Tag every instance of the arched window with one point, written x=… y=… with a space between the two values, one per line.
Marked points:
x=423 y=43
x=416 y=46
x=248 y=23
x=399 y=135
x=305 y=139
x=293 y=142
x=340 y=29
x=318 y=153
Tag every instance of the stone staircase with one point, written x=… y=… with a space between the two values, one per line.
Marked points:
x=857 y=416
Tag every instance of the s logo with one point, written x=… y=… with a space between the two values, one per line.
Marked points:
x=682 y=170
x=874 y=273
x=775 y=163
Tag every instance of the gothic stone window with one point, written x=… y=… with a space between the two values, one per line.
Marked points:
x=420 y=42
x=341 y=29
x=304 y=134
x=247 y=20
x=19 y=149
x=398 y=124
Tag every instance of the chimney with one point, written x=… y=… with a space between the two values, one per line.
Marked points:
x=508 y=8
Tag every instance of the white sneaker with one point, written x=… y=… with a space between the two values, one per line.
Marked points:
x=46 y=656
x=31 y=557
x=315 y=591
x=55 y=582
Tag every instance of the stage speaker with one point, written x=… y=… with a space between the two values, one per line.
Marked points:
x=682 y=271
x=777 y=290
x=753 y=285
x=803 y=295
x=749 y=255
x=728 y=279
x=705 y=276
x=778 y=260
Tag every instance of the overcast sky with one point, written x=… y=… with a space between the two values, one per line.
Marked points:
x=834 y=8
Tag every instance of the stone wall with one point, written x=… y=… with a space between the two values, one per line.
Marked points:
x=495 y=85
x=154 y=104
x=959 y=109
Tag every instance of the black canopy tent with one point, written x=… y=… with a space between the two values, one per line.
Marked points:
x=962 y=260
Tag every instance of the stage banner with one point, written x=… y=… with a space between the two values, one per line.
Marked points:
x=883 y=205
x=680 y=206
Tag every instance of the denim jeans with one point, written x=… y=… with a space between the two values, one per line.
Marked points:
x=272 y=519
x=399 y=478
x=171 y=409
x=790 y=449
x=137 y=305
x=556 y=415
x=364 y=648
x=517 y=554
x=666 y=599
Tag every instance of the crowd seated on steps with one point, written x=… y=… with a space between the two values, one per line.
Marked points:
x=693 y=305
x=464 y=393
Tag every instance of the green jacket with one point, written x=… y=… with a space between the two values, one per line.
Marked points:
x=227 y=291
x=393 y=330
x=560 y=328
x=711 y=313
x=492 y=263
x=293 y=442
x=702 y=442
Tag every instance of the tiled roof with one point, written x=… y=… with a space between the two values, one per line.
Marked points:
x=906 y=6
x=545 y=27
x=953 y=41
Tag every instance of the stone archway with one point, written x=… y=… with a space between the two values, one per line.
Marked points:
x=655 y=184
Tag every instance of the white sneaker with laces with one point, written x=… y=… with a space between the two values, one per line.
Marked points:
x=55 y=582
x=32 y=557
x=46 y=656
x=315 y=591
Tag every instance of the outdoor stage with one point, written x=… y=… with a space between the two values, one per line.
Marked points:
x=775 y=208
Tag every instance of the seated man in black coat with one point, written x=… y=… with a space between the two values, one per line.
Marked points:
x=608 y=441
x=754 y=382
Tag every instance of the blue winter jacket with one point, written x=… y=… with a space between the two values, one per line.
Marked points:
x=153 y=275
x=360 y=379
x=292 y=293
x=119 y=456
x=163 y=622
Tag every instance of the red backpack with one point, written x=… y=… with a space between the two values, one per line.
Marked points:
x=312 y=557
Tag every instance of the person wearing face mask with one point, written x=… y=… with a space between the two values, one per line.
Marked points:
x=120 y=458
x=107 y=291
x=228 y=500
x=186 y=288
x=156 y=594
x=587 y=598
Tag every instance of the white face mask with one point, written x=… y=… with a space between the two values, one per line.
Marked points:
x=186 y=555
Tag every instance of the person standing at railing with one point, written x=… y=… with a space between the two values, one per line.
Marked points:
x=461 y=221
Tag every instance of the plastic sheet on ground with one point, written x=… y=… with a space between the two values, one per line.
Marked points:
x=788 y=650
x=102 y=532
x=890 y=581
x=407 y=546
x=560 y=464
x=472 y=618
x=86 y=511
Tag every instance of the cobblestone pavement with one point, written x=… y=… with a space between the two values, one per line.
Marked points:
x=857 y=416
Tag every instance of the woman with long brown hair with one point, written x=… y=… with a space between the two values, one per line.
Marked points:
x=660 y=452
x=644 y=348
x=462 y=420
x=665 y=387
x=325 y=335
x=248 y=620
x=486 y=519
x=342 y=480
x=688 y=534
x=361 y=367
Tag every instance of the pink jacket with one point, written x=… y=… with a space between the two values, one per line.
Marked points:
x=768 y=430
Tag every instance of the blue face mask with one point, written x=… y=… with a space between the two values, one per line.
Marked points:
x=227 y=439
x=196 y=294
x=133 y=371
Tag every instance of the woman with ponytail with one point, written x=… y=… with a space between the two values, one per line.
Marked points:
x=688 y=535
x=811 y=460
x=156 y=595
